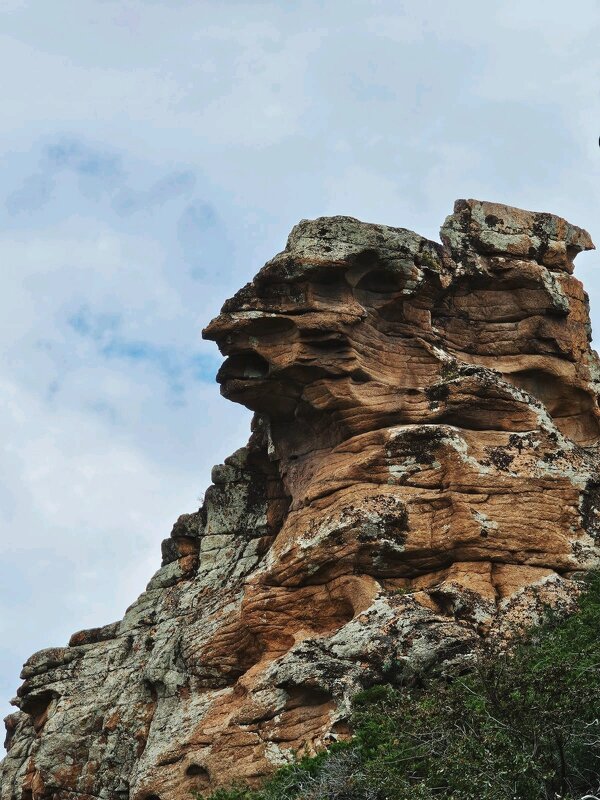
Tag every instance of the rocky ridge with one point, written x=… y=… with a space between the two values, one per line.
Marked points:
x=422 y=475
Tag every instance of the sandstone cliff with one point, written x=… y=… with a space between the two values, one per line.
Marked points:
x=422 y=474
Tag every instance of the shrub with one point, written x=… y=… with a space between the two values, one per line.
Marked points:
x=524 y=726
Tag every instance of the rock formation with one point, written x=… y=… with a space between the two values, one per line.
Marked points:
x=422 y=475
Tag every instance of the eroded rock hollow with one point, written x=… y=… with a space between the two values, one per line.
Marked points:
x=422 y=475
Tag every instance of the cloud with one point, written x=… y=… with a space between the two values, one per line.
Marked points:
x=170 y=187
x=204 y=241
x=85 y=507
x=96 y=326
x=35 y=192
x=177 y=366
x=81 y=158
x=107 y=407
x=56 y=160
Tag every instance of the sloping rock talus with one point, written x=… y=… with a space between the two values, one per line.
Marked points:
x=422 y=475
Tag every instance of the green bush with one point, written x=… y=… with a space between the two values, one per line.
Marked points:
x=519 y=727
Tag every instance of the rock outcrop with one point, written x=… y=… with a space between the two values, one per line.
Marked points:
x=422 y=475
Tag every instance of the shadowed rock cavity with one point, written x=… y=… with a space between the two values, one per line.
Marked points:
x=421 y=476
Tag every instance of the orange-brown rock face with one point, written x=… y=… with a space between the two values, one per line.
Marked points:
x=422 y=475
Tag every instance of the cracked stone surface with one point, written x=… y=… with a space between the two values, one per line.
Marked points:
x=422 y=475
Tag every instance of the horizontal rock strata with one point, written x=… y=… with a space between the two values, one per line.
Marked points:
x=422 y=476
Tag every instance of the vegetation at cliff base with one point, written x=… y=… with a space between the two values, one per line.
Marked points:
x=519 y=727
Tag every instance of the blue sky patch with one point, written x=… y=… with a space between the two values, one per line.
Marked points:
x=82 y=158
x=178 y=366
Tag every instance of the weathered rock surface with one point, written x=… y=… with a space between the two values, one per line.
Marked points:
x=422 y=474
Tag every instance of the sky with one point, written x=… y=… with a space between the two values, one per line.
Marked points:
x=153 y=155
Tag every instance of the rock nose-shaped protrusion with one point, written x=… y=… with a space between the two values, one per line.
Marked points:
x=357 y=316
x=300 y=323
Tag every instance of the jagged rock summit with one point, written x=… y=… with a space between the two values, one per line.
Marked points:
x=422 y=475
